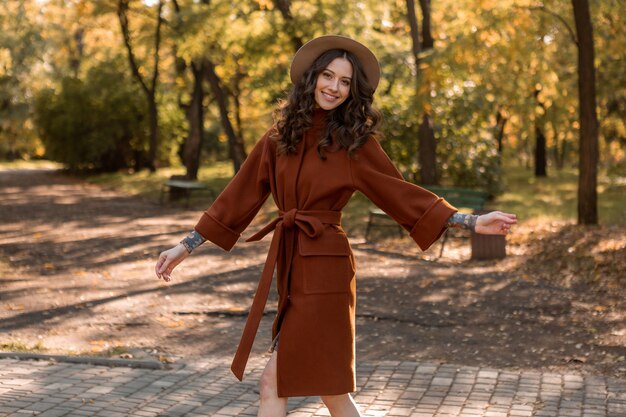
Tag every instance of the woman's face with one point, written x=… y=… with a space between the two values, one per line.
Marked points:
x=333 y=84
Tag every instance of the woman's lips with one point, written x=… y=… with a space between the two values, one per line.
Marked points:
x=329 y=97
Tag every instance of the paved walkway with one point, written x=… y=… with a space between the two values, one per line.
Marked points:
x=393 y=389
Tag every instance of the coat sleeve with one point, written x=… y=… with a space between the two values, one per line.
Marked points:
x=241 y=199
x=420 y=212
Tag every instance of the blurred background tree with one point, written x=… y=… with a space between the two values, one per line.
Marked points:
x=21 y=45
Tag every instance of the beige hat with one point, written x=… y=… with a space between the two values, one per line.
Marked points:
x=311 y=50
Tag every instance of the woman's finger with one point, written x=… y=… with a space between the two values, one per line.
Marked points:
x=167 y=274
x=506 y=218
x=164 y=265
x=509 y=216
x=157 y=267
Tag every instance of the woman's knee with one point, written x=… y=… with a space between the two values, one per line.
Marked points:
x=332 y=401
x=267 y=385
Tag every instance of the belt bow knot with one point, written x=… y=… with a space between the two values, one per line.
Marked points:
x=309 y=221
x=289 y=218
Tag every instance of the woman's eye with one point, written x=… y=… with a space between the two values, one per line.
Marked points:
x=328 y=75
x=345 y=82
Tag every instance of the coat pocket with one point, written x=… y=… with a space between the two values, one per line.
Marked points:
x=327 y=263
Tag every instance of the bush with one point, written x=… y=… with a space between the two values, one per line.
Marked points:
x=99 y=123
x=467 y=153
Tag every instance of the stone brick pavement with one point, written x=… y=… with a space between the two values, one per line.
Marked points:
x=393 y=389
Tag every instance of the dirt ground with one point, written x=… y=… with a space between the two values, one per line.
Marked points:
x=76 y=276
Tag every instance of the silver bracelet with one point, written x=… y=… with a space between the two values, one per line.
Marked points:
x=463 y=221
x=192 y=241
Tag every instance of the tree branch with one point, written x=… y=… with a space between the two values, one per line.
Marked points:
x=157 y=44
x=544 y=9
x=122 y=8
x=415 y=44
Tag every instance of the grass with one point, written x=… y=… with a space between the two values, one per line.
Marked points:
x=22 y=347
x=555 y=197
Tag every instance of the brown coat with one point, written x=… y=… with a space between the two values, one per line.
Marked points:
x=315 y=265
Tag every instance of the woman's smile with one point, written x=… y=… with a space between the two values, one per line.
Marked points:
x=329 y=96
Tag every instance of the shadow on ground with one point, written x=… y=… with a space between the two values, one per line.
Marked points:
x=76 y=272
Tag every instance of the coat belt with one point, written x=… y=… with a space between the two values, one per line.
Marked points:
x=310 y=222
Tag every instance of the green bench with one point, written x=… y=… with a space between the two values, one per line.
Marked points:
x=461 y=198
x=179 y=188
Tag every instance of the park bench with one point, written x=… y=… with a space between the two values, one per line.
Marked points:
x=461 y=198
x=179 y=188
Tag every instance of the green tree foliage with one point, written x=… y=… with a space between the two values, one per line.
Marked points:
x=89 y=125
x=488 y=59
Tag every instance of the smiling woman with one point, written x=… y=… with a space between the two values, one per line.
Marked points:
x=322 y=148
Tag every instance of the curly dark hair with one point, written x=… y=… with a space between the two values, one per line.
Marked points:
x=351 y=124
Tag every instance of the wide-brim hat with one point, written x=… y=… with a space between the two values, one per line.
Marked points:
x=311 y=50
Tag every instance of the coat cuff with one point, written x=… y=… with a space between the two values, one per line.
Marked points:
x=212 y=229
x=431 y=225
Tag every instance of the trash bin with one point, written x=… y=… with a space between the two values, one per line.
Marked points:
x=487 y=246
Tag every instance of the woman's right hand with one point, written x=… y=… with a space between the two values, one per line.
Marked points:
x=168 y=260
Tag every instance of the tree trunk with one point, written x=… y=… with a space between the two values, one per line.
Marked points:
x=415 y=41
x=540 y=152
x=501 y=121
x=77 y=57
x=427 y=151
x=149 y=90
x=540 y=138
x=236 y=149
x=588 y=158
x=195 y=116
x=427 y=148
x=427 y=38
x=284 y=6
x=191 y=149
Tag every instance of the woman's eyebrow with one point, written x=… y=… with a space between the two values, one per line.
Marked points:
x=329 y=70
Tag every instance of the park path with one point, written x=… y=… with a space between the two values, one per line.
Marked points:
x=386 y=388
x=76 y=278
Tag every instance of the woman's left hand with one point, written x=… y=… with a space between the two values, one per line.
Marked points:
x=495 y=223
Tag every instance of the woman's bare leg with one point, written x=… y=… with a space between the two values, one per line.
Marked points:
x=271 y=404
x=341 y=405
